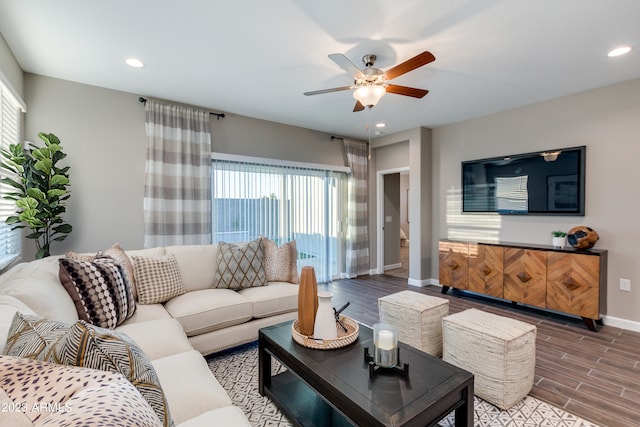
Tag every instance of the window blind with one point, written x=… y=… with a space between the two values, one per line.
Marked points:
x=10 y=110
x=282 y=203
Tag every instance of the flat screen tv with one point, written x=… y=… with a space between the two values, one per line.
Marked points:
x=549 y=182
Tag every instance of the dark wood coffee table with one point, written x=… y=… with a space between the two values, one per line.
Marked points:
x=333 y=388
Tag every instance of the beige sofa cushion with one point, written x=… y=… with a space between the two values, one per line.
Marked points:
x=189 y=386
x=275 y=298
x=158 y=338
x=197 y=264
x=9 y=306
x=29 y=282
x=146 y=312
x=209 y=309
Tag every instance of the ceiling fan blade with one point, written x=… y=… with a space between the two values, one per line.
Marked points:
x=407 y=91
x=358 y=107
x=335 y=89
x=346 y=64
x=411 y=64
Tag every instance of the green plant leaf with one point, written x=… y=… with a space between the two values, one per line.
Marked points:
x=12 y=220
x=59 y=180
x=55 y=192
x=41 y=153
x=43 y=166
x=12 y=183
x=43 y=252
x=63 y=228
x=37 y=194
x=27 y=203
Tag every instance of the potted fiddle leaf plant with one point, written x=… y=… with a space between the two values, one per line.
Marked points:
x=40 y=190
x=559 y=239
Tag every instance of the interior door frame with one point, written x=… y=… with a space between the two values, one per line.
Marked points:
x=380 y=214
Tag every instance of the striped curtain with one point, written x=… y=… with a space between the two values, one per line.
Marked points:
x=357 y=255
x=177 y=188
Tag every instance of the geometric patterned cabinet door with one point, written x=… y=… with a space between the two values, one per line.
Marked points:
x=573 y=284
x=454 y=265
x=525 y=276
x=486 y=269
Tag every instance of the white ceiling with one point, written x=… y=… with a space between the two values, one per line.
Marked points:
x=256 y=58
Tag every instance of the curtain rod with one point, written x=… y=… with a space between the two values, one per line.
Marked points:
x=342 y=139
x=218 y=115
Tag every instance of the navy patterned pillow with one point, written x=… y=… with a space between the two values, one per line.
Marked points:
x=99 y=289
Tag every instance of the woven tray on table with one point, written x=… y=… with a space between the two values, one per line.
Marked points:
x=344 y=338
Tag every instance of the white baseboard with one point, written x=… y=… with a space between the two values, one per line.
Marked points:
x=422 y=283
x=617 y=322
x=393 y=266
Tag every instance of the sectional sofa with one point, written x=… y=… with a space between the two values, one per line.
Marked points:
x=174 y=335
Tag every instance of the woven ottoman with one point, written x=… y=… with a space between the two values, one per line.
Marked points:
x=500 y=352
x=417 y=318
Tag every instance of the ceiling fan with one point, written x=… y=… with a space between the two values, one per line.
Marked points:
x=371 y=83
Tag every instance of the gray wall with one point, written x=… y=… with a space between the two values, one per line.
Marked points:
x=10 y=67
x=102 y=132
x=607 y=121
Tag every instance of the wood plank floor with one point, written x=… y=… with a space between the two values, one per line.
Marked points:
x=594 y=375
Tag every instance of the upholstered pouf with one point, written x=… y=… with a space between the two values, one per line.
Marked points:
x=417 y=318
x=499 y=351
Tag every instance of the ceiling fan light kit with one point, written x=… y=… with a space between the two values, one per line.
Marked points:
x=371 y=83
x=369 y=95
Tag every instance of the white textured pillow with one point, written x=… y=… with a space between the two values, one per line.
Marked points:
x=280 y=262
x=158 y=279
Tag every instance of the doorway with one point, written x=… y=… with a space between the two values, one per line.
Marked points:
x=393 y=223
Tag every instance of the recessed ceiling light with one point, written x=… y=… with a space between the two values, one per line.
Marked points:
x=619 y=51
x=135 y=63
x=380 y=125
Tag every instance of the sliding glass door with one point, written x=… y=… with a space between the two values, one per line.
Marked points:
x=282 y=203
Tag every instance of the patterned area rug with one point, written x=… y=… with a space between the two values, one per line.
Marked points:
x=237 y=371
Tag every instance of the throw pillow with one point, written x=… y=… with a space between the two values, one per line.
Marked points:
x=158 y=279
x=100 y=291
x=92 y=347
x=55 y=395
x=280 y=262
x=119 y=255
x=33 y=337
x=240 y=266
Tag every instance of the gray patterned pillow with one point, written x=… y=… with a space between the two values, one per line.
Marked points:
x=240 y=266
x=158 y=279
x=33 y=337
x=280 y=262
x=99 y=289
x=89 y=346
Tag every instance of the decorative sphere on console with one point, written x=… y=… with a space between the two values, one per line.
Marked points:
x=582 y=237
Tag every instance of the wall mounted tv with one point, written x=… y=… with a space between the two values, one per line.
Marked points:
x=549 y=182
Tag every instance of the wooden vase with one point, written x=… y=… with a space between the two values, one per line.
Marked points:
x=307 y=300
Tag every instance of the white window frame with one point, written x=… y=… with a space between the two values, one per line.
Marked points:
x=11 y=108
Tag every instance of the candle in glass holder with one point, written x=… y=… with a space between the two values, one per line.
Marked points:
x=385 y=342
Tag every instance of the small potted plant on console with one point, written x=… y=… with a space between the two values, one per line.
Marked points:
x=559 y=239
